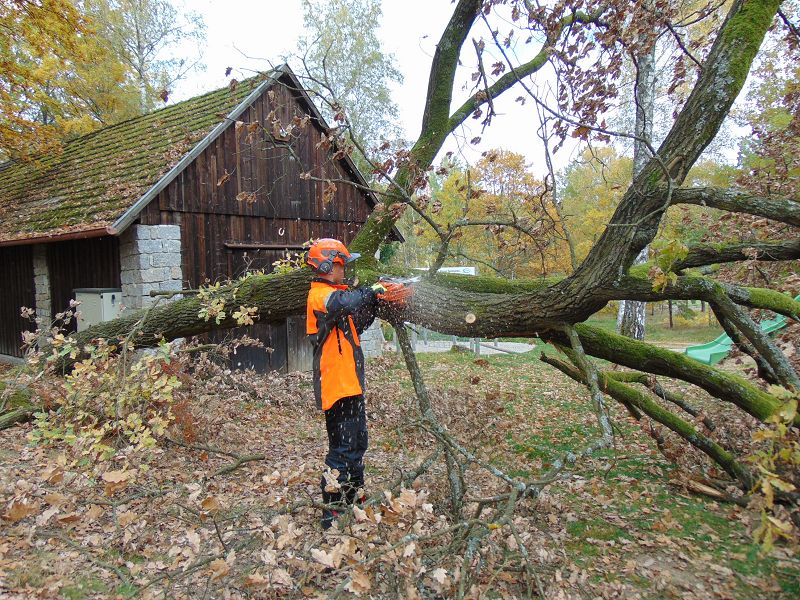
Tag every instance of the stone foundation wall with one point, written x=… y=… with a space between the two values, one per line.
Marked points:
x=372 y=340
x=41 y=280
x=150 y=259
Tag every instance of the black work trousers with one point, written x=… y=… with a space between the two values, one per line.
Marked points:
x=346 y=422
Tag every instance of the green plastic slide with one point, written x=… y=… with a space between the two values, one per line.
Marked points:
x=714 y=351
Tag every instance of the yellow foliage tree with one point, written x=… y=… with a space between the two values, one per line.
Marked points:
x=62 y=75
x=592 y=188
x=39 y=39
x=501 y=215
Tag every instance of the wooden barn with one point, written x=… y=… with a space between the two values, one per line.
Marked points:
x=193 y=193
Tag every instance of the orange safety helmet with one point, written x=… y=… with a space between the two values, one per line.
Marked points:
x=326 y=251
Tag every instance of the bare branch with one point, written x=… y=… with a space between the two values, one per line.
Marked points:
x=627 y=395
x=681 y=45
x=764 y=369
x=781 y=366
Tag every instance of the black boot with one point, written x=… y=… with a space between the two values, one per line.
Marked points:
x=351 y=495
x=333 y=509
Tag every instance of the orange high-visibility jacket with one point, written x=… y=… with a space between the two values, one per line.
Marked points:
x=335 y=316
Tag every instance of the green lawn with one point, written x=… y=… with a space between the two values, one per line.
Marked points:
x=620 y=512
x=683 y=332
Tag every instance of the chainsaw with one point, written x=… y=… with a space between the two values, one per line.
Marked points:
x=398 y=289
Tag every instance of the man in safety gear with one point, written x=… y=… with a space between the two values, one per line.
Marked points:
x=336 y=315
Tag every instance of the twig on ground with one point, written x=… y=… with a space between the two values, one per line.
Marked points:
x=46 y=534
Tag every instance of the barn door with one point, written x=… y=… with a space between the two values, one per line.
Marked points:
x=273 y=335
x=270 y=358
x=16 y=290
x=92 y=263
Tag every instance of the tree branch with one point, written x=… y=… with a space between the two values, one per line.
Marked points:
x=783 y=210
x=511 y=78
x=721 y=79
x=781 y=366
x=708 y=254
x=765 y=371
x=659 y=361
x=651 y=383
x=625 y=394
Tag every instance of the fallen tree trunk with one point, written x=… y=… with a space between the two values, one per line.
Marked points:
x=484 y=307
x=21 y=414
x=650 y=382
x=659 y=361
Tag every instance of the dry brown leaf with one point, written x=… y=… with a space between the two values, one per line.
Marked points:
x=323 y=558
x=211 y=505
x=281 y=578
x=126 y=518
x=256 y=580
x=219 y=568
x=112 y=488
x=20 y=509
x=439 y=575
x=410 y=550
x=116 y=476
x=408 y=497
x=42 y=519
x=53 y=474
x=194 y=540
x=55 y=499
x=69 y=518
x=359 y=583
x=116 y=481
x=269 y=557
x=94 y=512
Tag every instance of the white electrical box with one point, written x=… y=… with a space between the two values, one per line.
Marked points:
x=97 y=305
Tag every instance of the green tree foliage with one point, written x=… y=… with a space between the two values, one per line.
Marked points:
x=150 y=37
x=348 y=69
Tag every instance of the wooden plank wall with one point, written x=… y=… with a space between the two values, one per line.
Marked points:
x=16 y=276
x=81 y=264
x=285 y=209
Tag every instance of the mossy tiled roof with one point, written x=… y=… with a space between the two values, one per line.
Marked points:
x=97 y=177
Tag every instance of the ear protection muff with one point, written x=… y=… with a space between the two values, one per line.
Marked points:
x=326 y=266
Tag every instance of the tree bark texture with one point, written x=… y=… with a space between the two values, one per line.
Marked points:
x=631 y=315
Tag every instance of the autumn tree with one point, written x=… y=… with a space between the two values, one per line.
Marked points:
x=40 y=41
x=349 y=72
x=495 y=215
x=151 y=38
x=592 y=187
x=73 y=67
